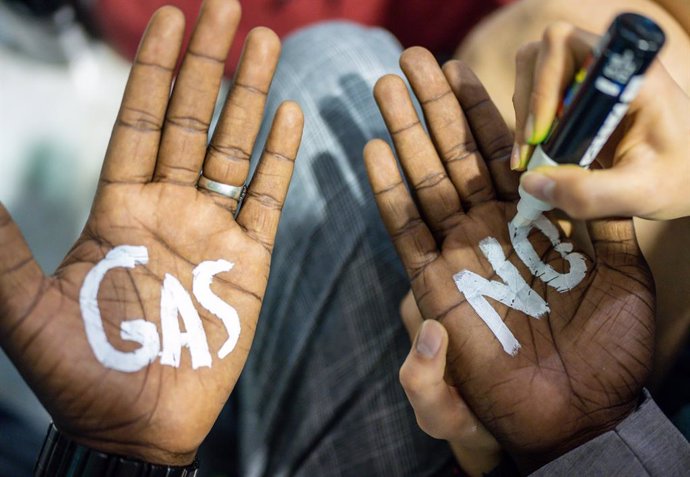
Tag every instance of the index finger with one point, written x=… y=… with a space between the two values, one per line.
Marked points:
x=563 y=50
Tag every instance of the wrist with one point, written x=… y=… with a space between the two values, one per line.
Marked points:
x=529 y=461
x=63 y=456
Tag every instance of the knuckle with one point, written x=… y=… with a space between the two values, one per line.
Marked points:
x=266 y=200
x=557 y=32
x=433 y=424
x=431 y=180
x=410 y=379
x=138 y=119
x=188 y=123
x=577 y=201
x=526 y=52
x=426 y=426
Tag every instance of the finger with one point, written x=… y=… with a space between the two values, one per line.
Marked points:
x=563 y=50
x=227 y=158
x=131 y=155
x=525 y=62
x=427 y=177
x=493 y=137
x=594 y=193
x=448 y=127
x=21 y=279
x=411 y=317
x=440 y=411
x=185 y=132
x=410 y=235
x=261 y=209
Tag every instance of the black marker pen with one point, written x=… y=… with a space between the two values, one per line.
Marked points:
x=596 y=102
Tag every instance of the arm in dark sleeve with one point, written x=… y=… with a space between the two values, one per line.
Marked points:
x=646 y=443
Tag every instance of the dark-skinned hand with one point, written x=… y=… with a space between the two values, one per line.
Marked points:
x=148 y=196
x=581 y=366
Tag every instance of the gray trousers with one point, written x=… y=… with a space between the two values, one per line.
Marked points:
x=319 y=395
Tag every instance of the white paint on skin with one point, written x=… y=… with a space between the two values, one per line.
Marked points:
x=562 y=282
x=175 y=303
x=203 y=275
x=175 y=300
x=139 y=331
x=515 y=292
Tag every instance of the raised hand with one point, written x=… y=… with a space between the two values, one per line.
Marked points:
x=135 y=343
x=646 y=162
x=545 y=362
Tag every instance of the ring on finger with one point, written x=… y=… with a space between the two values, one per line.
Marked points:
x=232 y=191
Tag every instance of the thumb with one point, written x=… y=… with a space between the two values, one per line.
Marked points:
x=21 y=278
x=439 y=409
x=590 y=194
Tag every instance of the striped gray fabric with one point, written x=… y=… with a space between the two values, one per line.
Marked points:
x=319 y=395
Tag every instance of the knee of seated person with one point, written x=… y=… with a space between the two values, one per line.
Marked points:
x=323 y=41
x=491 y=47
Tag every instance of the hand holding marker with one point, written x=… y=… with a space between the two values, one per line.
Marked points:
x=596 y=102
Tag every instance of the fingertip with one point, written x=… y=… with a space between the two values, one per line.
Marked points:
x=167 y=25
x=264 y=42
x=431 y=338
x=530 y=134
x=291 y=115
x=414 y=57
x=451 y=70
x=515 y=157
x=420 y=371
x=524 y=153
x=557 y=32
x=224 y=10
x=169 y=15
x=387 y=87
x=375 y=148
x=457 y=67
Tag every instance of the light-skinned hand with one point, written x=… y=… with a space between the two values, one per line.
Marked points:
x=440 y=410
x=644 y=169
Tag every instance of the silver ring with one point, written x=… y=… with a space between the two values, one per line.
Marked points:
x=234 y=192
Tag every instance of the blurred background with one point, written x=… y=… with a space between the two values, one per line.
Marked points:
x=59 y=93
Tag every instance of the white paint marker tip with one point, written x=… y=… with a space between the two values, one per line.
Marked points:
x=520 y=221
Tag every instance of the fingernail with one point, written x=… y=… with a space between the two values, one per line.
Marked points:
x=539 y=185
x=525 y=154
x=515 y=157
x=429 y=340
x=529 y=128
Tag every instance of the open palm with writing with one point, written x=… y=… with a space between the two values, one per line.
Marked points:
x=548 y=346
x=137 y=340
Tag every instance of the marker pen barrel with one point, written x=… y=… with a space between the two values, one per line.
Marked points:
x=596 y=101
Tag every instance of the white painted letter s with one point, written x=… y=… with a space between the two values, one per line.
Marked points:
x=203 y=275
